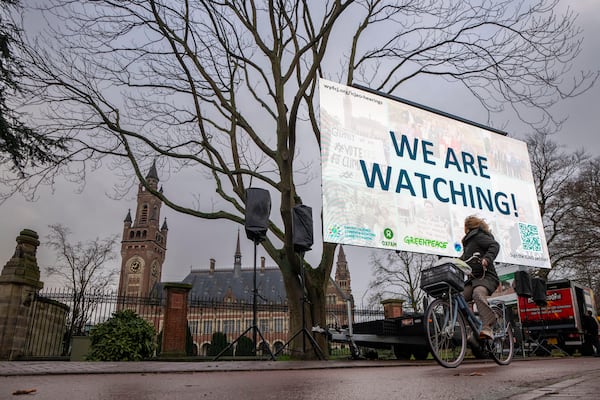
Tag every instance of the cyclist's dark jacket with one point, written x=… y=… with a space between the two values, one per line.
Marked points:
x=479 y=241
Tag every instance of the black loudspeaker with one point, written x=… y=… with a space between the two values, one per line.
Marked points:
x=539 y=291
x=303 y=228
x=523 y=284
x=258 y=208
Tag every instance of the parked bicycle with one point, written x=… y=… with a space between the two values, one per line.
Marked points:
x=449 y=320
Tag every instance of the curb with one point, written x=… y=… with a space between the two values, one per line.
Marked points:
x=32 y=368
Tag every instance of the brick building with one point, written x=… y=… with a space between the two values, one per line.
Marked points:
x=143 y=252
x=144 y=244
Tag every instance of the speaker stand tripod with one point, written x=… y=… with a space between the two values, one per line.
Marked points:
x=303 y=331
x=542 y=339
x=254 y=328
x=541 y=342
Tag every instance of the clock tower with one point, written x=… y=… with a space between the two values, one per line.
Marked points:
x=144 y=243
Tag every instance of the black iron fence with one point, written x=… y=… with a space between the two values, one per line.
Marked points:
x=59 y=316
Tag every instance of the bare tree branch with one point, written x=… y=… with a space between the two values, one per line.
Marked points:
x=85 y=268
x=227 y=89
x=397 y=275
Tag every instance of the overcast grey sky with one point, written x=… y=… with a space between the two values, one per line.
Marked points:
x=192 y=242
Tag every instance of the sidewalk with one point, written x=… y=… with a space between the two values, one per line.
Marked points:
x=581 y=388
x=23 y=368
x=586 y=386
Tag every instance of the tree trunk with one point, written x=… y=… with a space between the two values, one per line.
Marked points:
x=316 y=280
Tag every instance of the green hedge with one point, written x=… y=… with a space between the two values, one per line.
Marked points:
x=123 y=337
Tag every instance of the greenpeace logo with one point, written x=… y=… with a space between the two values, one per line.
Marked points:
x=425 y=242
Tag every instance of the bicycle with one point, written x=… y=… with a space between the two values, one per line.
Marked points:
x=449 y=317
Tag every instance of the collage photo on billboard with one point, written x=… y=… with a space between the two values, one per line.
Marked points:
x=401 y=177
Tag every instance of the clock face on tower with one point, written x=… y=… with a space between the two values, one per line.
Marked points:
x=135 y=264
x=154 y=268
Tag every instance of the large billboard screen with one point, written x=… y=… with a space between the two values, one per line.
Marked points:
x=403 y=177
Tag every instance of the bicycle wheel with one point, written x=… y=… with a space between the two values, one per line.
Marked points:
x=502 y=347
x=446 y=335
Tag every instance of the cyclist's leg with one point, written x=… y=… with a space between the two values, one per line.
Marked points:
x=468 y=292
x=468 y=295
x=487 y=315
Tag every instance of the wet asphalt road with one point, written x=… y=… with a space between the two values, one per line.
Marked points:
x=568 y=378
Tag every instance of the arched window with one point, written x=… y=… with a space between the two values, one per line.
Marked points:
x=144 y=216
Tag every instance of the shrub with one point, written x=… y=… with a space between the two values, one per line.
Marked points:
x=123 y=337
x=245 y=347
x=190 y=349
x=218 y=344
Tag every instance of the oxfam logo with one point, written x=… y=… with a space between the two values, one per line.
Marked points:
x=388 y=233
x=388 y=242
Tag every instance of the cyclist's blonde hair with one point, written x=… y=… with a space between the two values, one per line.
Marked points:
x=473 y=221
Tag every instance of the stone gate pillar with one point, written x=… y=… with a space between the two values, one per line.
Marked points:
x=392 y=308
x=175 y=325
x=19 y=284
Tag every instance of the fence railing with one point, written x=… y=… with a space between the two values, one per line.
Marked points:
x=57 y=316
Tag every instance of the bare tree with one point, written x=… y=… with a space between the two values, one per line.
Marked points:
x=20 y=146
x=84 y=267
x=396 y=275
x=554 y=169
x=230 y=88
x=583 y=191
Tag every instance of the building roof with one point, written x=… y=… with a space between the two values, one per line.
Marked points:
x=219 y=284
x=236 y=284
x=128 y=216
x=152 y=173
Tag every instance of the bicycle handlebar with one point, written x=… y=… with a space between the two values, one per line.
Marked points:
x=460 y=264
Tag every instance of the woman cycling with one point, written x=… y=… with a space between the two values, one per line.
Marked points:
x=483 y=280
